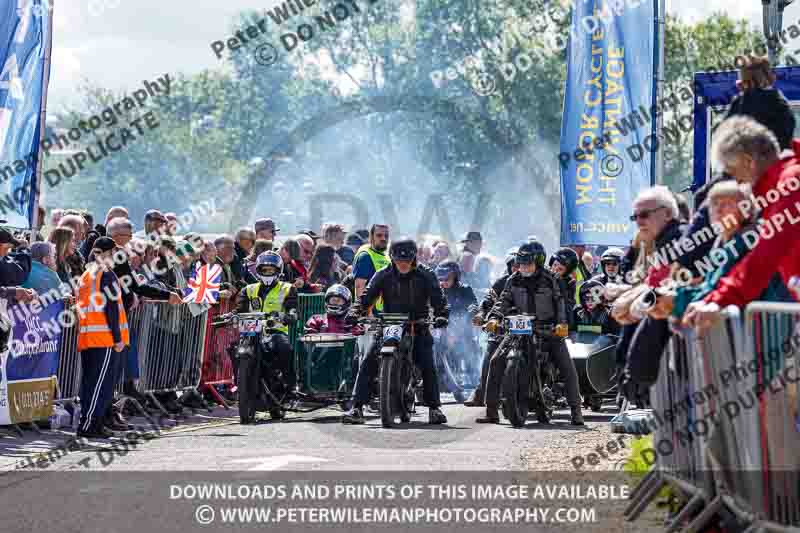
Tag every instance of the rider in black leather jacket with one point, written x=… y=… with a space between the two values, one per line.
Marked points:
x=406 y=288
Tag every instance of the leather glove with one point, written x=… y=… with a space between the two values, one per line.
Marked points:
x=351 y=319
x=562 y=330
x=492 y=326
x=440 y=322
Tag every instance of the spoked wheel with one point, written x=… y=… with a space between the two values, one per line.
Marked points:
x=408 y=383
x=538 y=399
x=248 y=388
x=515 y=389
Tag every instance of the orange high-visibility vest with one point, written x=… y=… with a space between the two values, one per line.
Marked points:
x=93 y=329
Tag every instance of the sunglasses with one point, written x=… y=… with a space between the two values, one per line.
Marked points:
x=644 y=214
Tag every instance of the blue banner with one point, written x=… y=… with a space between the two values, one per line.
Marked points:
x=24 y=38
x=34 y=343
x=29 y=366
x=608 y=121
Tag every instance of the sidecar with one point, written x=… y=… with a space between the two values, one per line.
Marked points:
x=594 y=356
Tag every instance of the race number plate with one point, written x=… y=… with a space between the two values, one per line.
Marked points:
x=520 y=325
x=249 y=328
x=393 y=333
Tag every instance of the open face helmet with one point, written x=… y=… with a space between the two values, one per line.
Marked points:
x=403 y=250
x=612 y=256
x=534 y=252
x=567 y=258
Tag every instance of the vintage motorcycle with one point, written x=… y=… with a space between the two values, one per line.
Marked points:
x=323 y=369
x=529 y=380
x=398 y=378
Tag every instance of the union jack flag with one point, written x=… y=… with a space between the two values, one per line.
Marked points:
x=204 y=286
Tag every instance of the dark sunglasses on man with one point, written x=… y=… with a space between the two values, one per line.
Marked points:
x=644 y=214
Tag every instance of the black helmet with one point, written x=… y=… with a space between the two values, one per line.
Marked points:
x=531 y=252
x=590 y=290
x=567 y=257
x=403 y=249
x=446 y=268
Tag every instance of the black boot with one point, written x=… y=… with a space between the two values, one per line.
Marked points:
x=577 y=416
x=492 y=416
x=474 y=400
x=353 y=416
x=436 y=416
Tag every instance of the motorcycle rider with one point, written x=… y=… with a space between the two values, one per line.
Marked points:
x=463 y=304
x=610 y=263
x=476 y=399
x=533 y=290
x=270 y=295
x=406 y=288
x=564 y=263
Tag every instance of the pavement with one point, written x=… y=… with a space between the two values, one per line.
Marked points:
x=315 y=441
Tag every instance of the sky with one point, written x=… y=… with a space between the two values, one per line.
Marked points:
x=119 y=43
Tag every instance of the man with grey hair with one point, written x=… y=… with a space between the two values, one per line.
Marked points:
x=230 y=284
x=745 y=148
x=749 y=152
x=116 y=212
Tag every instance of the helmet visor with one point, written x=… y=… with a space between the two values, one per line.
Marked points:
x=267 y=270
x=525 y=259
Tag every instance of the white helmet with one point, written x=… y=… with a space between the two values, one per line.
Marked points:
x=342 y=292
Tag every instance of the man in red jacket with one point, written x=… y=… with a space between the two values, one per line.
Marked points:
x=751 y=153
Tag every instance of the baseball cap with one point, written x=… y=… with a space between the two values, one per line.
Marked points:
x=263 y=224
x=472 y=236
x=155 y=214
x=185 y=249
x=353 y=239
x=104 y=244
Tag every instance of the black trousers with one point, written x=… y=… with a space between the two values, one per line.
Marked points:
x=279 y=355
x=97 y=385
x=560 y=357
x=491 y=346
x=423 y=359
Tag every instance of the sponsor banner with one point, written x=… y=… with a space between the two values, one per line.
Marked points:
x=29 y=365
x=610 y=81
x=24 y=39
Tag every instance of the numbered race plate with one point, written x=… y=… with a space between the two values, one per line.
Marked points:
x=249 y=327
x=520 y=325
x=392 y=332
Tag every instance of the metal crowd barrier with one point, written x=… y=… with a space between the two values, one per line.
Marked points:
x=726 y=432
x=68 y=376
x=169 y=341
